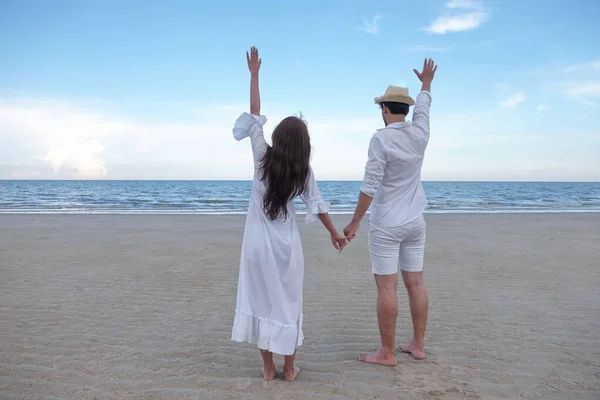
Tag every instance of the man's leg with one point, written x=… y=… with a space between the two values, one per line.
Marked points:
x=384 y=250
x=411 y=263
x=387 y=313
x=419 y=304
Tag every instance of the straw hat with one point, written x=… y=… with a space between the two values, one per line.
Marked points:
x=396 y=94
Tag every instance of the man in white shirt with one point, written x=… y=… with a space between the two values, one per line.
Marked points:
x=397 y=229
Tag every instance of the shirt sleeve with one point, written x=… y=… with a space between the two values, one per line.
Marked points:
x=420 y=117
x=249 y=125
x=315 y=204
x=375 y=168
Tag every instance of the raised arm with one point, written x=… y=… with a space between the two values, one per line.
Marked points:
x=254 y=63
x=423 y=103
x=252 y=124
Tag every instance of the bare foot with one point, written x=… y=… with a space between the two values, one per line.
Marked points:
x=269 y=373
x=291 y=375
x=377 y=357
x=412 y=348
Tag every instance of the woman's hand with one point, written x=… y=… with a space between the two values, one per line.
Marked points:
x=254 y=61
x=338 y=241
x=254 y=65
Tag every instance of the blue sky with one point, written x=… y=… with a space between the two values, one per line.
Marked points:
x=150 y=89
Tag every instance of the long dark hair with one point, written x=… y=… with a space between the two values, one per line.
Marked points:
x=285 y=166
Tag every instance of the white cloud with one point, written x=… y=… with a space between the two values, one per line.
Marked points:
x=542 y=108
x=89 y=142
x=59 y=140
x=83 y=157
x=475 y=147
x=371 y=27
x=590 y=66
x=464 y=15
x=518 y=98
x=585 y=92
x=584 y=89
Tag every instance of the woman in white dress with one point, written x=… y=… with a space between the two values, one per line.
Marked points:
x=269 y=297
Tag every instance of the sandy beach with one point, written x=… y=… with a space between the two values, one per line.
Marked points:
x=141 y=307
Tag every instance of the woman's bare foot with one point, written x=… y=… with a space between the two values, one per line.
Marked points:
x=269 y=370
x=417 y=352
x=289 y=371
x=290 y=375
x=269 y=373
x=377 y=357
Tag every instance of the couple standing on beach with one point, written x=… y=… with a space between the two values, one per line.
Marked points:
x=269 y=308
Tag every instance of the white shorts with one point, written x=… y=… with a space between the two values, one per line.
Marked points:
x=401 y=247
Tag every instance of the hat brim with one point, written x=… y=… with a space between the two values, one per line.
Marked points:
x=395 y=99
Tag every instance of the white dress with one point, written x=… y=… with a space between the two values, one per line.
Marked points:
x=269 y=297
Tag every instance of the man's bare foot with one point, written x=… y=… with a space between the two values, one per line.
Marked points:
x=377 y=357
x=269 y=373
x=414 y=350
x=290 y=375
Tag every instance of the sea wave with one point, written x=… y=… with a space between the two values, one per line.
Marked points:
x=228 y=198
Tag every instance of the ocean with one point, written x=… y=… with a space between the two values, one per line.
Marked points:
x=231 y=197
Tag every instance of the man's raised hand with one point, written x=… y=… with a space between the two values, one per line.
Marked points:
x=428 y=72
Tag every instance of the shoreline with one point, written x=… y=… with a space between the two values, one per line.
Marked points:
x=236 y=213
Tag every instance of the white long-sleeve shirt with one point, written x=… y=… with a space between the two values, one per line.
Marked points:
x=393 y=171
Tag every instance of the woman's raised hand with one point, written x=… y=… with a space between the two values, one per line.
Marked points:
x=253 y=60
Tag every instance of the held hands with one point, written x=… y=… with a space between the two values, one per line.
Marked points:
x=338 y=241
x=341 y=241
x=428 y=72
x=254 y=61
x=351 y=229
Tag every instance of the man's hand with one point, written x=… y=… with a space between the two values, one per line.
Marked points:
x=429 y=68
x=339 y=242
x=351 y=229
x=254 y=61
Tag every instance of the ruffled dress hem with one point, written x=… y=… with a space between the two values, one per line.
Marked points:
x=268 y=334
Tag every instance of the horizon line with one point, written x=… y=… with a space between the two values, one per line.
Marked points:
x=318 y=180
